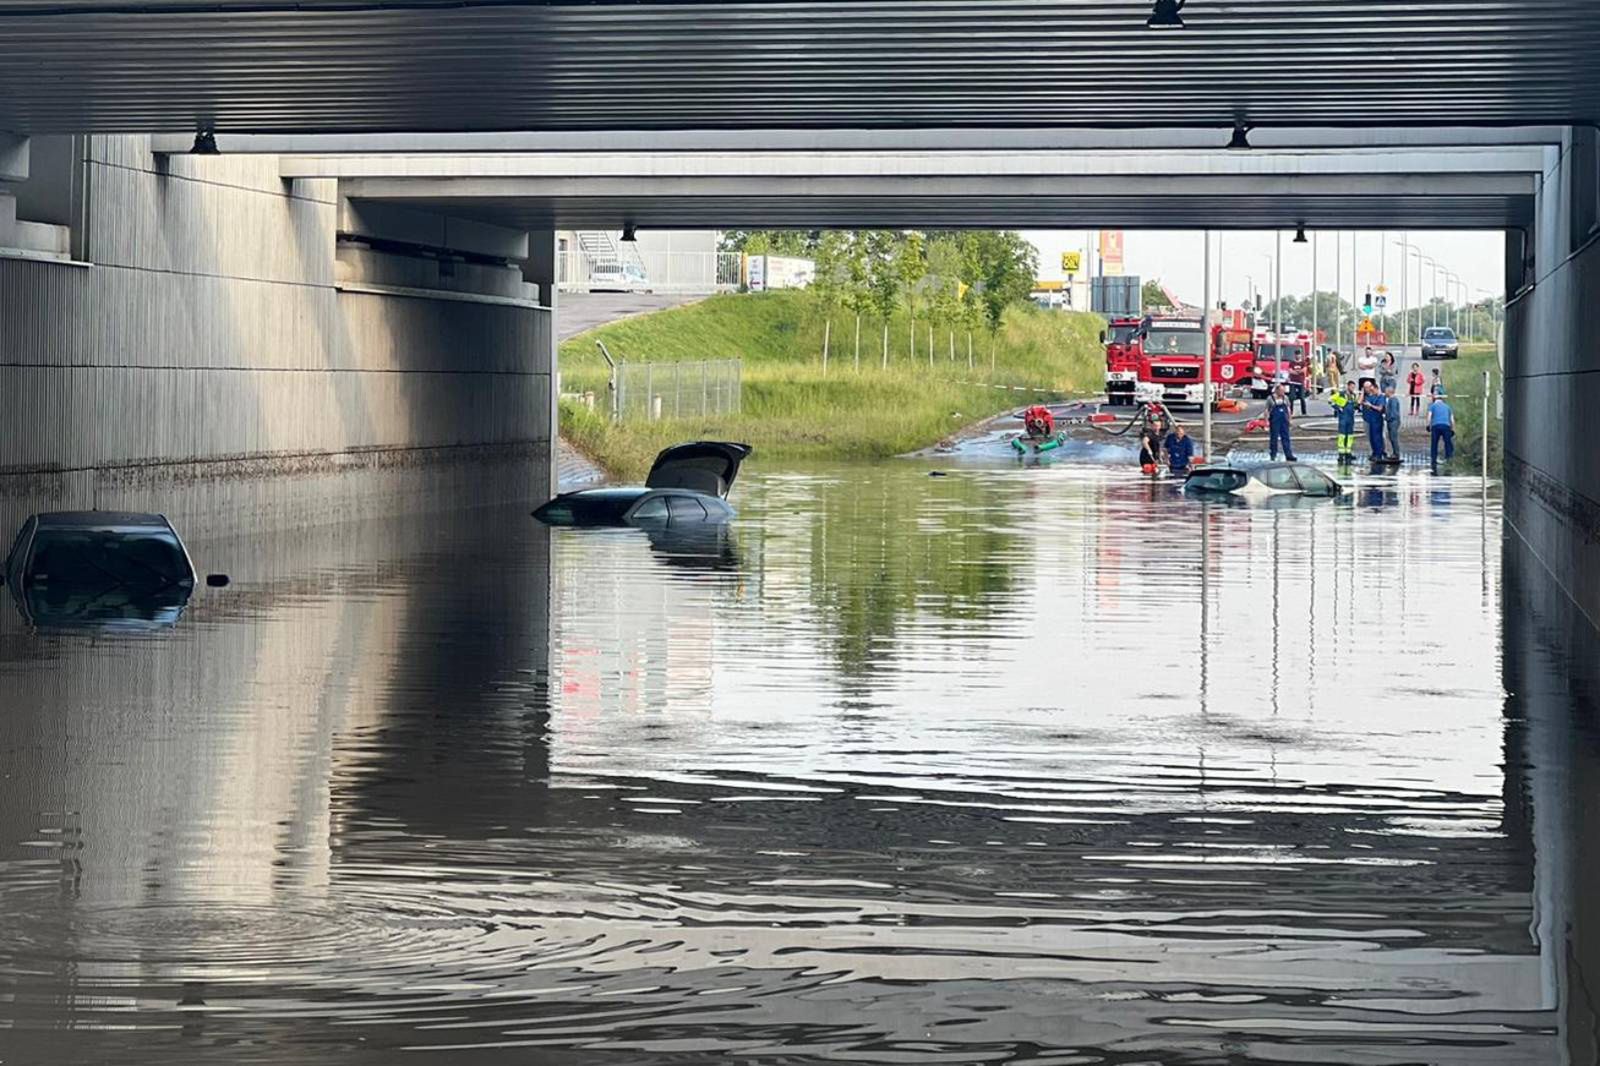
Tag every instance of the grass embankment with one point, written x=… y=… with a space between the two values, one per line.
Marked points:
x=1463 y=380
x=792 y=409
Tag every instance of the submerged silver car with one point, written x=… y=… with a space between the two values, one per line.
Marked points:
x=1263 y=481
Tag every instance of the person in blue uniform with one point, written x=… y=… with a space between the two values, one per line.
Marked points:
x=1372 y=411
x=1278 y=416
x=1180 y=450
x=1391 y=417
x=1441 y=428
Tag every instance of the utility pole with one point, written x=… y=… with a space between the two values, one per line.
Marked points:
x=1405 y=314
x=1277 y=286
x=1383 y=277
x=1205 y=327
x=1315 y=343
x=1338 y=272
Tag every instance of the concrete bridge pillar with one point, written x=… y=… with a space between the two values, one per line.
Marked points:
x=198 y=336
x=1552 y=353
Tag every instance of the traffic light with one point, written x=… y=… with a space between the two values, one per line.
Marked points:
x=1366 y=305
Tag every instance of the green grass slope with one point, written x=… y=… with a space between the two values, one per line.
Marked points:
x=795 y=409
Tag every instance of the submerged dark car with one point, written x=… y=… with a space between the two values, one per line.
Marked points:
x=688 y=485
x=99 y=569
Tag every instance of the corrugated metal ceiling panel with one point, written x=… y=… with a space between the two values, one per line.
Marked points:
x=367 y=65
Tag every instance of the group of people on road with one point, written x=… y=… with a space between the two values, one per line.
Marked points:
x=1372 y=395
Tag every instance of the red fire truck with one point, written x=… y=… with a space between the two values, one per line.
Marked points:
x=1122 y=360
x=1233 y=351
x=1289 y=352
x=1173 y=360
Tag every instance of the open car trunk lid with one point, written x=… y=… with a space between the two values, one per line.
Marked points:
x=707 y=466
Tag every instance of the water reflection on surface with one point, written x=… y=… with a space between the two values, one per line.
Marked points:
x=1041 y=766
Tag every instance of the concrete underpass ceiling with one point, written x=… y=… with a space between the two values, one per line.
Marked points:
x=1009 y=212
x=417 y=65
x=1393 y=188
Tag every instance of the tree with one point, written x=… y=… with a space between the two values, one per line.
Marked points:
x=1152 y=297
x=883 y=279
x=829 y=282
x=800 y=243
x=912 y=266
x=1006 y=268
x=944 y=290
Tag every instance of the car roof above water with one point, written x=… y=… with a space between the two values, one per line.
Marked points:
x=101 y=520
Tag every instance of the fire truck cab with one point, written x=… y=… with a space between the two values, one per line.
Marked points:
x=1287 y=352
x=1122 y=360
x=1173 y=364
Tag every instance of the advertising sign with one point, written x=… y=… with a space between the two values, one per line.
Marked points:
x=1111 y=252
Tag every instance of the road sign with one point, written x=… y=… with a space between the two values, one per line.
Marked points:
x=1071 y=262
x=1381 y=289
x=1381 y=302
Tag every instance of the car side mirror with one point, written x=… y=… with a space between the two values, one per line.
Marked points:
x=218 y=581
x=1102 y=336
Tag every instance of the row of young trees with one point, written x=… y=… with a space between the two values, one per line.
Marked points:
x=945 y=280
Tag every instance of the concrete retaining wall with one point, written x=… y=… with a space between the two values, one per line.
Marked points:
x=205 y=364
x=1553 y=398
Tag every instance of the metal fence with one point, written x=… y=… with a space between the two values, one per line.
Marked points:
x=686 y=272
x=677 y=390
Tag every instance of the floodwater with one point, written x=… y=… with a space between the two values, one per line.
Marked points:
x=1037 y=766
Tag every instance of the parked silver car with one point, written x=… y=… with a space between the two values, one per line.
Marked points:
x=1439 y=342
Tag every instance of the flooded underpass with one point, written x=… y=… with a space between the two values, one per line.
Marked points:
x=1046 y=765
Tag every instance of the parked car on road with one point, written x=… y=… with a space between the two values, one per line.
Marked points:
x=606 y=276
x=99 y=568
x=1263 y=481
x=1439 y=342
x=688 y=485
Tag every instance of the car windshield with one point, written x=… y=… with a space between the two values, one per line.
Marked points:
x=1175 y=342
x=590 y=508
x=1281 y=351
x=1438 y=334
x=1217 y=480
x=144 y=560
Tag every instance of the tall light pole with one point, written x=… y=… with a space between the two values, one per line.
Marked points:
x=1205 y=327
x=1338 y=272
x=1316 y=344
x=1277 y=284
x=1405 y=262
x=1435 y=301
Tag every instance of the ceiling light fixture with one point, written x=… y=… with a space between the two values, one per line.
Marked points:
x=629 y=233
x=1165 y=15
x=1240 y=140
x=1300 y=234
x=205 y=143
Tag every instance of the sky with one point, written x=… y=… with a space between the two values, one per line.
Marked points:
x=1176 y=257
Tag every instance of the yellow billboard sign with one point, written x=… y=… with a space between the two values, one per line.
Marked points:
x=1071 y=262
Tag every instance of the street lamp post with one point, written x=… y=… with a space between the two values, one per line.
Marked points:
x=1435 y=288
x=1405 y=262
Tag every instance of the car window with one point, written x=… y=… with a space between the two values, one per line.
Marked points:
x=137 y=560
x=1277 y=477
x=652 y=510
x=1438 y=334
x=1218 y=480
x=1315 y=482
x=13 y=558
x=685 y=509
